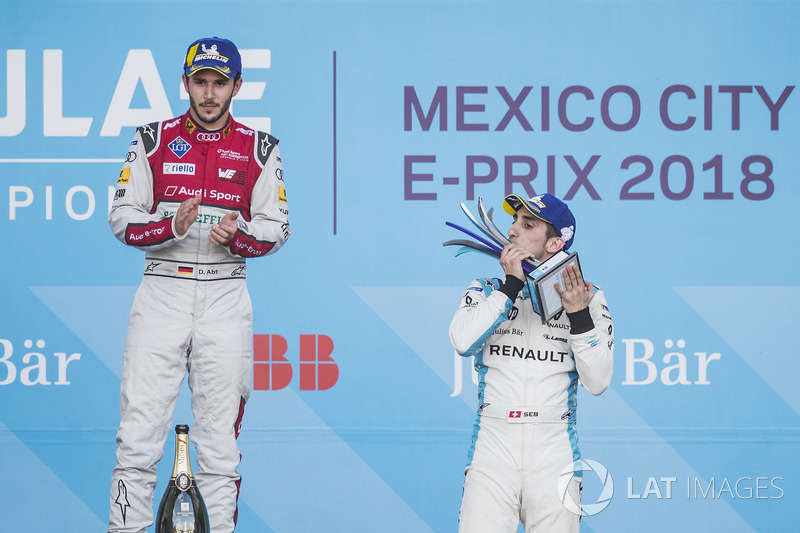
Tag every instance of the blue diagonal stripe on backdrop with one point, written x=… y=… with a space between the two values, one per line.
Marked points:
x=33 y=492
x=96 y=315
x=299 y=458
x=423 y=327
x=753 y=321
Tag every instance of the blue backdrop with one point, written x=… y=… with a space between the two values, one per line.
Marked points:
x=670 y=128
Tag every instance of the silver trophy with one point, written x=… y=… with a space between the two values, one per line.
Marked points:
x=491 y=243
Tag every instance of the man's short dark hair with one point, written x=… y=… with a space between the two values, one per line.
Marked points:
x=551 y=231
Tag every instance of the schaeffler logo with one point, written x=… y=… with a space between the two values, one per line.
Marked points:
x=273 y=371
x=567 y=497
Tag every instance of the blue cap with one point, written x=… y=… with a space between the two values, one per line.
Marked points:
x=214 y=53
x=548 y=208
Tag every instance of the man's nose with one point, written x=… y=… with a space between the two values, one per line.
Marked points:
x=511 y=231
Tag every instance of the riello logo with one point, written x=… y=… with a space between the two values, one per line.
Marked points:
x=272 y=371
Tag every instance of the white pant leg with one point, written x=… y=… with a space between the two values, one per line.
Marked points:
x=154 y=363
x=220 y=373
x=550 y=452
x=493 y=483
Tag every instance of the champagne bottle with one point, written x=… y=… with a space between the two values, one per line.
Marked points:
x=182 y=509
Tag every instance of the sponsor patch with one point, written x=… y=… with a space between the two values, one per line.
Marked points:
x=179 y=147
x=230 y=175
x=148 y=129
x=281 y=195
x=226 y=173
x=179 y=168
x=124 y=176
x=230 y=154
x=208 y=137
x=185 y=270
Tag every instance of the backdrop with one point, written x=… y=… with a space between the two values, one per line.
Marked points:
x=670 y=128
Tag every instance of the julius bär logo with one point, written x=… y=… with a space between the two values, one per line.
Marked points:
x=37 y=366
x=273 y=371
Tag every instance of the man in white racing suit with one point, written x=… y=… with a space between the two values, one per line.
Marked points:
x=525 y=436
x=198 y=193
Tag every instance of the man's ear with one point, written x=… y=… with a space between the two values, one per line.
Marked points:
x=186 y=83
x=554 y=244
x=236 y=86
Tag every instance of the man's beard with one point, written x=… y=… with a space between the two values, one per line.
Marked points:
x=201 y=118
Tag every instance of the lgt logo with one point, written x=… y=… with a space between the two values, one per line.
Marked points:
x=179 y=147
x=272 y=371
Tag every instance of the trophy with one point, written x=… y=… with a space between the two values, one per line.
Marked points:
x=491 y=243
x=545 y=299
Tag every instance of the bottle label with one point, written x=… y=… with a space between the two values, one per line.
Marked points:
x=183 y=482
x=183 y=519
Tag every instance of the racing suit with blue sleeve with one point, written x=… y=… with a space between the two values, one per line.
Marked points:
x=525 y=434
x=192 y=311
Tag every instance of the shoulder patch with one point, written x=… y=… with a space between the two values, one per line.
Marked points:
x=151 y=134
x=491 y=283
x=264 y=145
x=485 y=285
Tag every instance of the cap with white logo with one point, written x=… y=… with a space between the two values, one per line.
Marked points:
x=214 y=53
x=548 y=208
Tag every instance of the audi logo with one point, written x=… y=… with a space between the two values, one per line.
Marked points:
x=131 y=157
x=208 y=137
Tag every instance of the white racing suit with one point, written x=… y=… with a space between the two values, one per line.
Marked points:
x=192 y=310
x=525 y=436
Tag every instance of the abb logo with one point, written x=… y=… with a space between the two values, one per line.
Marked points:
x=272 y=371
